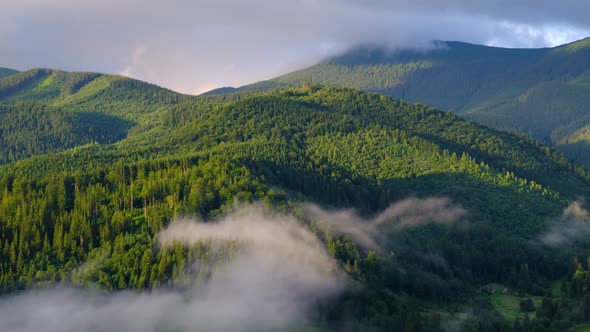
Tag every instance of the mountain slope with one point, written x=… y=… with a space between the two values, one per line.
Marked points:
x=46 y=110
x=311 y=125
x=91 y=214
x=7 y=72
x=540 y=92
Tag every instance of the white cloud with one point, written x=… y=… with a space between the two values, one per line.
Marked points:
x=509 y=34
x=573 y=225
x=137 y=61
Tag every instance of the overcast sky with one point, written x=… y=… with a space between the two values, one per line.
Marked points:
x=193 y=46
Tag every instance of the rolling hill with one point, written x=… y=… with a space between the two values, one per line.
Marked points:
x=48 y=110
x=543 y=93
x=7 y=72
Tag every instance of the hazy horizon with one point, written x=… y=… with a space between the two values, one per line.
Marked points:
x=195 y=46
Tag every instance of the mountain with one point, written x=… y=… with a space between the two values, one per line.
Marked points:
x=218 y=91
x=47 y=110
x=86 y=207
x=543 y=93
x=7 y=72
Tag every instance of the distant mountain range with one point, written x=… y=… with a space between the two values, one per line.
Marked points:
x=544 y=93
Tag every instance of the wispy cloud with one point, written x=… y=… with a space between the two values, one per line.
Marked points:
x=573 y=225
x=407 y=213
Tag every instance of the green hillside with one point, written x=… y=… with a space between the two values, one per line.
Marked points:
x=7 y=72
x=97 y=165
x=543 y=93
x=47 y=110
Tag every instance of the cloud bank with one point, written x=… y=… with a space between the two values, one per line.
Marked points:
x=192 y=46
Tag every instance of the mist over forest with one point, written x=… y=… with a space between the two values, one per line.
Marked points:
x=294 y=166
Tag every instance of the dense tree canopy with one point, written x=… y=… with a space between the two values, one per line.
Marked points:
x=96 y=166
x=543 y=93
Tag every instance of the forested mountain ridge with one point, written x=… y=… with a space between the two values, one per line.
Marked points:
x=7 y=71
x=89 y=213
x=543 y=93
x=46 y=110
